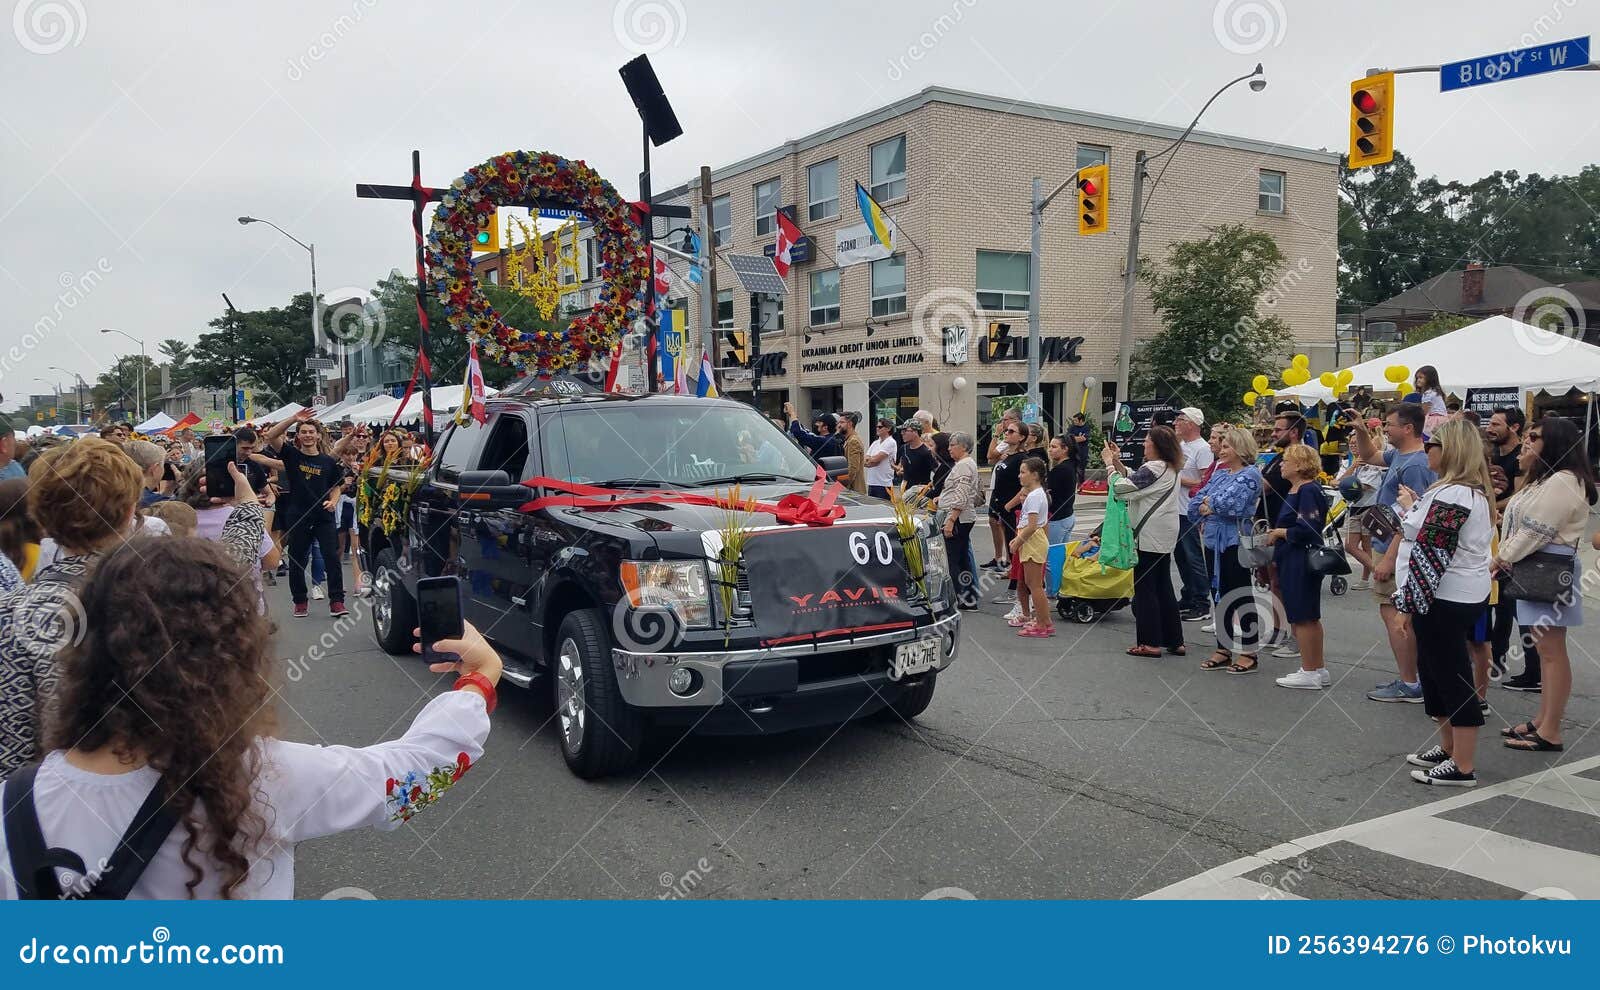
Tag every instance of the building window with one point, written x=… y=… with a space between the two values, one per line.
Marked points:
x=1003 y=280
x=721 y=220
x=767 y=195
x=1089 y=154
x=494 y=276
x=725 y=309
x=591 y=257
x=889 y=285
x=1269 y=198
x=825 y=297
x=822 y=189
x=766 y=312
x=889 y=169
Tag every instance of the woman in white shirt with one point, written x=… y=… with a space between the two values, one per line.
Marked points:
x=1442 y=577
x=1154 y=503
x=1031 y=546
x=170 y=708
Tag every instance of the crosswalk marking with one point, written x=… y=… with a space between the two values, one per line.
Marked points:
x=1420 y=835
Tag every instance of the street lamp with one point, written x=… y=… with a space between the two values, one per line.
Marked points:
x=1258 y=81
x=316 y=303
x=143 y=412
x=81 y=386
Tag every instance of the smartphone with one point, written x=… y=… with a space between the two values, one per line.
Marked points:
x=220 y=452
x=439 y=615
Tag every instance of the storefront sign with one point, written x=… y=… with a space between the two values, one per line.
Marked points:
x=800 y=251
x=861 y=355
x=957 y=346
x=1484 y=401
x=855 y=246
x=1051 y=350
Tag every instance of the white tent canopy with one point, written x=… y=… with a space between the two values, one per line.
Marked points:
x=1495 y=353
x=445 y=398
x=155 y=424
x=279 y=414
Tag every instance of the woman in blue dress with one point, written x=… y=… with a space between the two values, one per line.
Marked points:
x=1299 y=529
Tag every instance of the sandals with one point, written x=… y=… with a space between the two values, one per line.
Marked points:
x=1238 y=668
x=1036 y=631
x=1148 y=652
x=1533 y=743
x=1217 y=661
x=1519 y=731
x=1178 y=651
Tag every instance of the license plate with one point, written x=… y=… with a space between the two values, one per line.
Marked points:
x=916 y=657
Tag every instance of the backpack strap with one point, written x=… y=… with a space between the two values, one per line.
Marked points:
x=33 y=864
x=1159 y=503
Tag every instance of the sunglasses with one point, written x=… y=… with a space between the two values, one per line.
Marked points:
x=1432 y=445
x=1012 y=429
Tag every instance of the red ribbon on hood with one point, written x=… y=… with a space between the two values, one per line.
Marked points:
x=818 y=508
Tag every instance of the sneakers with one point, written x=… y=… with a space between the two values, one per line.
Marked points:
x=1325 y=676
x=1361 y=584
x=1303 y=679
x=1520 y=682
x=301 y=610
x=337 y=609
x=317 y=593
x=1209 y=627
x=1005 y=598
x=1014 y=614
x=1195 y=614
x=1428 y=758
x=1445 y=774
x=1290 y=650
x=1483 y=705
x=1397 y=691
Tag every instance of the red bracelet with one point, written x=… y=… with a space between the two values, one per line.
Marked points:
x=477 y=680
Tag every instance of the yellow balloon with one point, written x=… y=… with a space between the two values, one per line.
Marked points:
x=1346 y=376
x=1328 y=379
x=1250 y=398
x=1396 y=373
x=1294 y=377
x=1302 y=362
x=1405 y=389
x=1270 y=391
x=1260 y=383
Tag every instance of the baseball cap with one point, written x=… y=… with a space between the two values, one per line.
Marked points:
x=912 y=424
x=1196 y=417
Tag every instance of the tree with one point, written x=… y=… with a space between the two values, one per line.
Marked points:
x=1208 y=296
x=119 y=385
x=269 y=347
x=447 y=350
x=176 y=352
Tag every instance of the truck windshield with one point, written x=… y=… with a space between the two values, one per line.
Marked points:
x=676 y=445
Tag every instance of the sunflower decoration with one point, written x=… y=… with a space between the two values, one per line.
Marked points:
x=515 y=176
x=738 y=510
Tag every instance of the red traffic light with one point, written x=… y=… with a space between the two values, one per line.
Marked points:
x=1087 y=187
x=1364 y=101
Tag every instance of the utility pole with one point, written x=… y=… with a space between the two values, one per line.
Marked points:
x=234 y=404
x=1036 y=217
x=708 y=284
x=1130 y=276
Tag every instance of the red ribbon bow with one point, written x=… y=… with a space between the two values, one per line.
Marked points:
x=817 y=508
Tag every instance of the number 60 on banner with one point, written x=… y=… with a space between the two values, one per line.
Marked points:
x=862 y=553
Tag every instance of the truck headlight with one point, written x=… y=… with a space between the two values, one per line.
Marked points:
x=679 y=585
x=937 y=563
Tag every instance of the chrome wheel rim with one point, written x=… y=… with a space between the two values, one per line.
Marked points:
x=569 y=695
x=383 y=600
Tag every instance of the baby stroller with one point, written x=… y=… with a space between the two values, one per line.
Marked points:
x=1333 y=533
x=1085 y=592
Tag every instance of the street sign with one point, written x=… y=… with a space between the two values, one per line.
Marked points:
x=736 y=376
x=757 y=274
x=1550 y=57
x=321 y=364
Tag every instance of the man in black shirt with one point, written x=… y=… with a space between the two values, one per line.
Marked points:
x=312 y=477
x=1287 y=428
x=1505 y=441
x=917 y=462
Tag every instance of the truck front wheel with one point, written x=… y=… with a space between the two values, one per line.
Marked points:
x=913 y=700
x=394 y=613
x=600 y=733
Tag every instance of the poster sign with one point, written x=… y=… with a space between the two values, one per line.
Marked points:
x=1133 y=424
x=1484 y=401
x=855 y=246
x=833 y=579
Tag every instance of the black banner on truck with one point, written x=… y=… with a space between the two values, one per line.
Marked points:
x=823 y=580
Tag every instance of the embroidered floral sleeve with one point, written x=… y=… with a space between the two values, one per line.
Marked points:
x=1237 y=497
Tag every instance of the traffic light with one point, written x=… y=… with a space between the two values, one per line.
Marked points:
x=996 y=344
x=1092 y=199
x=738 y=347
x=1372 y=120
x=487 y=238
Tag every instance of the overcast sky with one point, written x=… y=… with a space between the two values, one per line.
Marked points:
x=134 y=133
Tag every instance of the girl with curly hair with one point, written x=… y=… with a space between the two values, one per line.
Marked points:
x=170 y=709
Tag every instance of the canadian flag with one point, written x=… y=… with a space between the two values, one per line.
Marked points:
x=663 y=277
x=788 y=235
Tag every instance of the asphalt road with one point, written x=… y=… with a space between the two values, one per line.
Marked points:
x=1043 y=769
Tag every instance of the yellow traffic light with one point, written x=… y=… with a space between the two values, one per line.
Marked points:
x=1372 y=120
x=1092 y=181
x=487 y=238
x=738 y=347
x=996 y=343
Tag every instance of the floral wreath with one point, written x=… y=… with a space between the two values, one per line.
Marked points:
x=518 y=176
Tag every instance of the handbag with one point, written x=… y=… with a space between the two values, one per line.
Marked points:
x=1254 y=550
x=1381 y=522
x=1541 y=577
x=1326 y=561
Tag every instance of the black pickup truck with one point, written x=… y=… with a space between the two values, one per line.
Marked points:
x=623 y=611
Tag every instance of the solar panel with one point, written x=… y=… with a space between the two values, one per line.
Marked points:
x=757 y=273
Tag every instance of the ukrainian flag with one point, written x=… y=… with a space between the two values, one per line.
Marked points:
x=706 y=387
x=878 y=222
